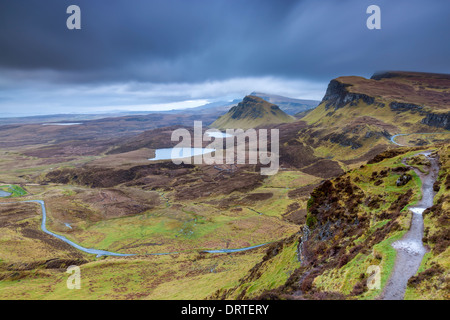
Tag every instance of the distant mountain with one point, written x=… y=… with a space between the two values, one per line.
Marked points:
x=210 y=110
x=217 y=108
x=250 y=113
x=289 y=105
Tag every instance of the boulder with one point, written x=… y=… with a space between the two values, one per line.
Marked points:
x=403 y=179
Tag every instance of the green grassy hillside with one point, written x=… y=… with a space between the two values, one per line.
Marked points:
x=352 y=221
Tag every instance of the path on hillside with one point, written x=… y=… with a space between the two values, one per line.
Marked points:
x=410 y=249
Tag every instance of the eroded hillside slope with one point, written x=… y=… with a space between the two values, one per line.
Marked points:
x=352 y=222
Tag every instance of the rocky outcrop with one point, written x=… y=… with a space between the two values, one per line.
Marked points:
x=338 y=96
x=355 y=137
x=403 y=179
x=437 y=120
x=303 y=238
x=344 y=140
x=402 y=107
x=441 y=120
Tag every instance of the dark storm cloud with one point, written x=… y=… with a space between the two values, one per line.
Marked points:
x=207 y=44
x=147 y=40
x=165 y=41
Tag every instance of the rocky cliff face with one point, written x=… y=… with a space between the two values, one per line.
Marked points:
x=437 y=120
x=338 y=96
x=349 y=91
x=400 y=106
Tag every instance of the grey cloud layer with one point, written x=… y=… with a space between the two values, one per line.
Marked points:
x=196 y=41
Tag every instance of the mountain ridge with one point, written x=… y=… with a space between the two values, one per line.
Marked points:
x=291 y=106
x=252 y=112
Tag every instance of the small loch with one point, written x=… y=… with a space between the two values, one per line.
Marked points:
x=179 y=153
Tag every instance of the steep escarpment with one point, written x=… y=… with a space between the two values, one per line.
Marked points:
x=358 y=115
x=426 y=94
x=423 y=93
x=337 y=96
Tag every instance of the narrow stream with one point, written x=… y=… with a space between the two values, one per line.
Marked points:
x=410 y=249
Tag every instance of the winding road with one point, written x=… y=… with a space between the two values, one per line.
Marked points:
x=100 y=253
x=407 y=134
x=410 y=249
x=73 y=244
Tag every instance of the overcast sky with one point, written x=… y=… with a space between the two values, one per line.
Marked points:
x=152 y=55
